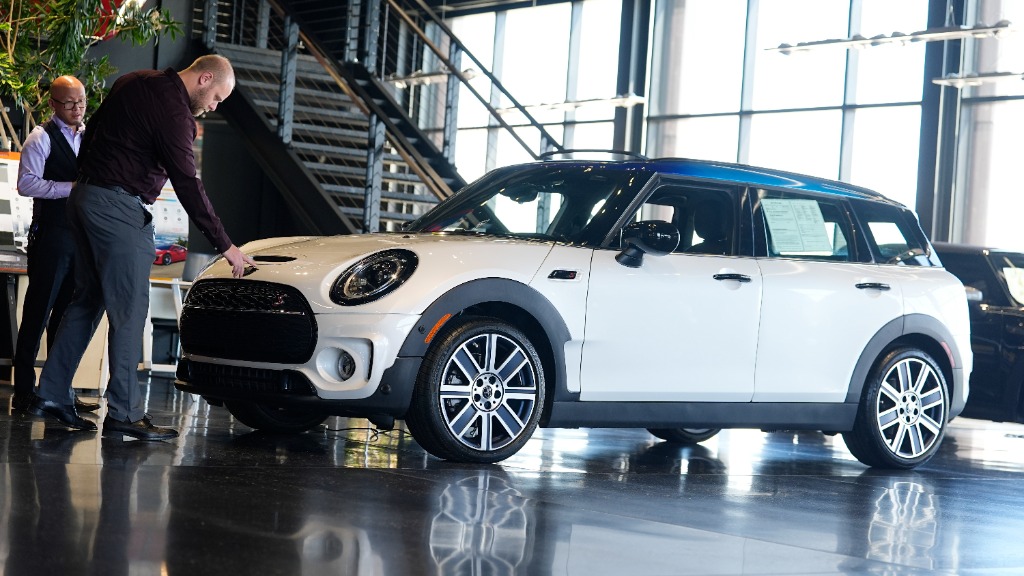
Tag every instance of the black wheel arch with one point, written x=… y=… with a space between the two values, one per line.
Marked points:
x=920 y=331
x=507 y=300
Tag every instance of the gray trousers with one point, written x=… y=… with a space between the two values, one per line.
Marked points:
x=114 y=250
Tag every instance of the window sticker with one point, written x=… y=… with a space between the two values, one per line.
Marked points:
x=1015 y=282
x=797 y=227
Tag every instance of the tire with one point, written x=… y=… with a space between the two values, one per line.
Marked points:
x=272 y=419
x=684 y=435
x=166 y=260
x=479 y=394
x=903 y=412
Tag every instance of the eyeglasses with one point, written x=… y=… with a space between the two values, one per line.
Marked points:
x=70 y=105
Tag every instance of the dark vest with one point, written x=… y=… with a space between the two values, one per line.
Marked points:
x=61 y=166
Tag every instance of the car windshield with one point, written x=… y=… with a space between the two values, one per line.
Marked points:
x=547 y=201
x=1011 y=267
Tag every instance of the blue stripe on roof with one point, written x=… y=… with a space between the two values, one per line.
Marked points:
x=737 y=173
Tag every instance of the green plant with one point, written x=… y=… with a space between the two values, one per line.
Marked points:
x=43 y=39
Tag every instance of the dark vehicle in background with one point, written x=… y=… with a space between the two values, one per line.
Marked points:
x=994 y=280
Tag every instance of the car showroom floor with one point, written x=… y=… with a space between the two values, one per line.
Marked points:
x=348 y=500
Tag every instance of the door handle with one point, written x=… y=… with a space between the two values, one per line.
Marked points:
x=872 y=286
x=732 y=276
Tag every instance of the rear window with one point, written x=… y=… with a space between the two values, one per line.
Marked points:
x=893 y=234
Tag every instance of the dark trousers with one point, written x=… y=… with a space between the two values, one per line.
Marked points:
x=113 y=256
x=51 y=254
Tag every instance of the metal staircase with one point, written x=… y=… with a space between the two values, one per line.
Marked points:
x=325 y=102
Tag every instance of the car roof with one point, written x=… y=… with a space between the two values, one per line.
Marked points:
x=727 y=172
x=968 y=249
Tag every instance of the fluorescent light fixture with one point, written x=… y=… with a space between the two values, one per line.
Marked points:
x=964 y=80
x=421 y=78
x=624 y=101
x=998 y=29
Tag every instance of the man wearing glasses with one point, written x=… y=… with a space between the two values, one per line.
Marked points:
x=47 y=169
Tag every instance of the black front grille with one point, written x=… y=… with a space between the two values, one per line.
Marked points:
x=247 y=320
x=214 y=378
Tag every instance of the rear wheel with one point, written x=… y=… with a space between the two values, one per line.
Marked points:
x=902 y=417
x=684 y=435
x=273 y=419
x=479 y=393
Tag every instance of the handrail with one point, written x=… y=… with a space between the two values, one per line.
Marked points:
x=482 y=68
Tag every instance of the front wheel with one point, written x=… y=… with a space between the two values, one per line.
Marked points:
x=902 y=417
x=273 y=419
x=479 y=394
x=684 y=435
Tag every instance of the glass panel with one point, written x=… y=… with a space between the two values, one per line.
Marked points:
x=599 y=56
x=536 y=57
x=686 y=78
x=477 y=34
x=891 y=72
x=471 y=153
x=712 y=138
x=599 y=135
x=1002 y=54
x=885 y=148
x=802 y=79
x=805 y=142
x=992 y=166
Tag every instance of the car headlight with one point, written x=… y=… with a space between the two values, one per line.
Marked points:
x=373 y=277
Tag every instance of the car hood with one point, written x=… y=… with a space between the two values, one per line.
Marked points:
x=312 y=264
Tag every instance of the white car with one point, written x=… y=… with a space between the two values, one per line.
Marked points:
x=674 y=295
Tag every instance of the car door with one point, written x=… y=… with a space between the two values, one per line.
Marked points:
x=820 y=305
x=680 y=327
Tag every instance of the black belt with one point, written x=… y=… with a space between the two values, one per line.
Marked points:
x=115 y=188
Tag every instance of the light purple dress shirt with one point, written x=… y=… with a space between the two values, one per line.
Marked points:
x=33 y=159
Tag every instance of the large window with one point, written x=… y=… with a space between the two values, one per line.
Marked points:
x=849 y=115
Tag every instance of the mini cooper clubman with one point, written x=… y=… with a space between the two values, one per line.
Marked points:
x=675 y=295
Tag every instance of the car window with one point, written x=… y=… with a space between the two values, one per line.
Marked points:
x=974 y=271
x=548 y=202
x=705 y=218
x=1010 y=266
x=894 y=236
x=805 y=227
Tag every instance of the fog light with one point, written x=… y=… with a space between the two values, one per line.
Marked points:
x=346 y=365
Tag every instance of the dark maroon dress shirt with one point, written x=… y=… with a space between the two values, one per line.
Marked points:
x=140 y=137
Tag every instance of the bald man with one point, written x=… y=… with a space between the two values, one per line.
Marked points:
x=48 y=167
x=140 y=137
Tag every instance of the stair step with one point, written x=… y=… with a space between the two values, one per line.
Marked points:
x=268 y=61
x=334 y=98
x=314 y=111
x=360 y=172
x=327 y=149
x=358 y=193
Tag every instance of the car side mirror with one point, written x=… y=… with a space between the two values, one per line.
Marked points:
x=973 y=294
x=654 y=237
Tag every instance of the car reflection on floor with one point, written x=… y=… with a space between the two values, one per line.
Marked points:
x=354 y=500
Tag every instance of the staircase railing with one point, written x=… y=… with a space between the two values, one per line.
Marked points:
x=427 y=72
x=397 y=46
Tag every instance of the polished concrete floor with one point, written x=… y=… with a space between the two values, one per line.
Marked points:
x=348 y=500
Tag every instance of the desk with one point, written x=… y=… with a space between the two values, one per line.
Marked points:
x=12 y=265
x=165 y=304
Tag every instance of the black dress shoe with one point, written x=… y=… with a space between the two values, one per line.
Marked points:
x=22 y=402
x=63 y=413
x=83 y=406
x=141 y=429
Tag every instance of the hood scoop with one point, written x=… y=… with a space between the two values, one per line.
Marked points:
x=272 y=258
